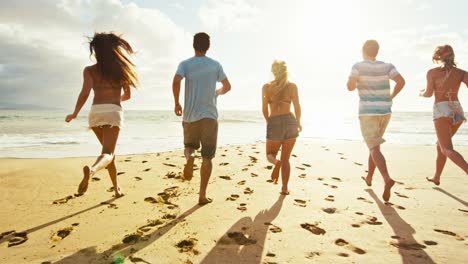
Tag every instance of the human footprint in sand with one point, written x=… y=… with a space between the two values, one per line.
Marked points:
x=444 y=83
x=371 y=78
x=200 y=114
x=113 y=73
x=283 y=127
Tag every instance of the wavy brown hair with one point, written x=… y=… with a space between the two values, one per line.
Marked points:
x=445 y=55
x=113 y=63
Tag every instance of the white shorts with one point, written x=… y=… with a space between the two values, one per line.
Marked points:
x=106 y=115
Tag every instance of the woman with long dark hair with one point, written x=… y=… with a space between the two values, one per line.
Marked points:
x=112 y=73
x=444 y=83
x=283 y=127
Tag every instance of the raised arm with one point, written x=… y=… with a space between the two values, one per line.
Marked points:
x=176 y=92
x=297 y=106
x=265 y=112
x=226 y=87
x=127 y=93
x=430 y=86
x=399 y=84
x=84 y=94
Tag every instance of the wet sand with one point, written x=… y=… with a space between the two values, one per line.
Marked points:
x=331 y=216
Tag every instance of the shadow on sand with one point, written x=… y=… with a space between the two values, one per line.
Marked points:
x=118 y=253
x=244 y=241
x=451 y=196
x=410 y=250
x=33 y=229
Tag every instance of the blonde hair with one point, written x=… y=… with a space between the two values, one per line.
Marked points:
x=280 y=71
x=445 y=55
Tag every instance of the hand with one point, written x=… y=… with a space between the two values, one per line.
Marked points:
x=178 y=109
x=422 y=93
x=218 y=92
x=69 y=118
x=299 y=127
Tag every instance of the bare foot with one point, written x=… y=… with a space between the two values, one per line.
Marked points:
x=188 y=169
x=284 y=192
x=204 y=201
x=275 y=172
x=369 y=183
x=387 y=191
x=433 y=180
x=118 y=193
x=83 y=187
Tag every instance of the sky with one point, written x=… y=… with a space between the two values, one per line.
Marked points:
x=44 y=46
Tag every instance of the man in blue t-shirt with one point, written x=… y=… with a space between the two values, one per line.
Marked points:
x=372 y=80
x=200 y=114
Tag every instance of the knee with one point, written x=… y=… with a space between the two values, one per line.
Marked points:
x=284 y=160
x=206 y=161
x=447 y=151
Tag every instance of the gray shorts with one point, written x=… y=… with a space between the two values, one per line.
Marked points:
x=452 y=109
x=204 y=132
x=282 y=127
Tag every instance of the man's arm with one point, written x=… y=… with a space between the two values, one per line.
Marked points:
x=400 y=83
x=352 y=83
x=226 y=87
x=176 y=92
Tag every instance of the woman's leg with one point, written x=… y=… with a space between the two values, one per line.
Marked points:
x=286 y=150
x=272 y=148
x=107 y=136
x=441 y=158
x=110 y=136
x=445 y=132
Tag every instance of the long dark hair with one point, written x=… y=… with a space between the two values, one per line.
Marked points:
x=445 y=55
x=112 y=63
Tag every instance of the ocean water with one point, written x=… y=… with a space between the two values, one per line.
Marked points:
x=44 y=134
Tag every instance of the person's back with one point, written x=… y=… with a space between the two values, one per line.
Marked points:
x=372 y=80
x=374 y=86
x=200 y=121
x=105 y=92
x=446 y=83
x=201 y=75
x=279 y=98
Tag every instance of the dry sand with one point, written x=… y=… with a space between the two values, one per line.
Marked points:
x=331 y=216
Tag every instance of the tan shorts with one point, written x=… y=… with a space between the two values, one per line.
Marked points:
x=204 y=132
x=373 y=129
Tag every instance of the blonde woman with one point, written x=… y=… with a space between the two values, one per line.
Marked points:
x=283 y=127
x=110 y=79
x=444 y=83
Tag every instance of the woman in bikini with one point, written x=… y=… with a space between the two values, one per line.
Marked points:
x=113 y=73
x=282 y=126
x=444 y=82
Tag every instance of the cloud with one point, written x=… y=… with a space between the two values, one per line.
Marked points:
x=44 y=48
x=228 y=15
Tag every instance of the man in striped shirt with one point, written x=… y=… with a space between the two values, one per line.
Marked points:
x=372 y=80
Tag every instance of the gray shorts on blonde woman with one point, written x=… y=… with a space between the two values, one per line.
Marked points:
x=452 y=109
x=282 y=127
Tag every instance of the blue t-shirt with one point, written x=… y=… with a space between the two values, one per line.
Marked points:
x=374 y=86
x=201 y=75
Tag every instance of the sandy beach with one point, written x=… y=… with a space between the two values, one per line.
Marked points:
x=329 y=217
